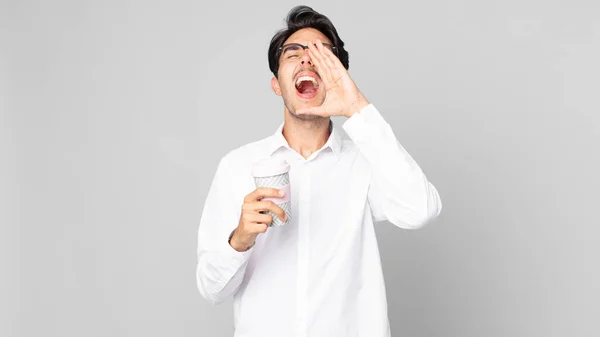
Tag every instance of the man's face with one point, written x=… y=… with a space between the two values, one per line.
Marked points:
x=298 y=81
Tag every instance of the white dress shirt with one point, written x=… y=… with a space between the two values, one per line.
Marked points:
x=320 y=275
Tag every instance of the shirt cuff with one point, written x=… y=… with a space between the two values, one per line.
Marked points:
x=356 y=125
x=237 y=258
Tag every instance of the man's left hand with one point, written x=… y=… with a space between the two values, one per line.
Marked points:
x=342 y=97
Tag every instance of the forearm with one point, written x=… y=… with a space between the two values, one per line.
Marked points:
x=220 y=268
x=399 y=191
x=219 y=275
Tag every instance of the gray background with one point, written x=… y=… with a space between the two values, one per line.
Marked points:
x=115 y=114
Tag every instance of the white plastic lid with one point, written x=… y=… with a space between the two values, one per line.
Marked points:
x=270 y=167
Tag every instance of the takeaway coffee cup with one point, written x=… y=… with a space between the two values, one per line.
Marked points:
x=274 y=173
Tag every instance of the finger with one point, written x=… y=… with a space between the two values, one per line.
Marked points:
x=312 y=47
x=317 y=57
x=326 y=53
x=263 y=192
x=262 y=206
x=278 y=211
x=262 y=227
x=257 y=223
x=332 y=60
x=334 y=68
x=259 y=218
x=326 y=57
x=322 y=68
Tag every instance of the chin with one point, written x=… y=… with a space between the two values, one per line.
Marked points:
x=305 y=117
x=315 y=101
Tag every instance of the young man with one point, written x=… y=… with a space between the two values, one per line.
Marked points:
x=320 y=274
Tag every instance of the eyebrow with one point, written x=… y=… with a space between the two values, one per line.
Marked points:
x=324 y=42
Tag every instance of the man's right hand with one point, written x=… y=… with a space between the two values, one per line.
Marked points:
x=252 y=221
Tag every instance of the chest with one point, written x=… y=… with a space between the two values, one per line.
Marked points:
x=324 y=191
x=324 y=188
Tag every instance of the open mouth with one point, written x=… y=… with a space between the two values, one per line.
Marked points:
x=307 y=86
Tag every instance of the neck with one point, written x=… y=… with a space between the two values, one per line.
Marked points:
x=305 y=136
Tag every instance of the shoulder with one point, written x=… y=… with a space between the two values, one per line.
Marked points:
x=245 y=155
x=353 y=157
x=348 y=146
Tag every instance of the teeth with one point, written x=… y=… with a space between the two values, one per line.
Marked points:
x=306 y=78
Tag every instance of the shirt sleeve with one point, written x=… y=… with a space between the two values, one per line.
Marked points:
x=398 y=191
x=220 y=268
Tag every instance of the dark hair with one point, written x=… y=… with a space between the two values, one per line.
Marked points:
x=305 y=17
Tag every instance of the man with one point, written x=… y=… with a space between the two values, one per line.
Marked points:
x=320 y=274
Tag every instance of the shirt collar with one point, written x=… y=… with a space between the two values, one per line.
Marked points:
x=334 y=142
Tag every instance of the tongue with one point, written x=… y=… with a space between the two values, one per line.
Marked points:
x=307 y=87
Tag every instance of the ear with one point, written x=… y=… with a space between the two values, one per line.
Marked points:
x=275 y=86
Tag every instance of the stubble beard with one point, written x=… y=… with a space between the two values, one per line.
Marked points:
x=305 y=117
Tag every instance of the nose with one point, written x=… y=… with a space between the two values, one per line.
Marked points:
x=306 y=58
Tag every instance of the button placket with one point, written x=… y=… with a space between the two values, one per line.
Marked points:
x=303 y=248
